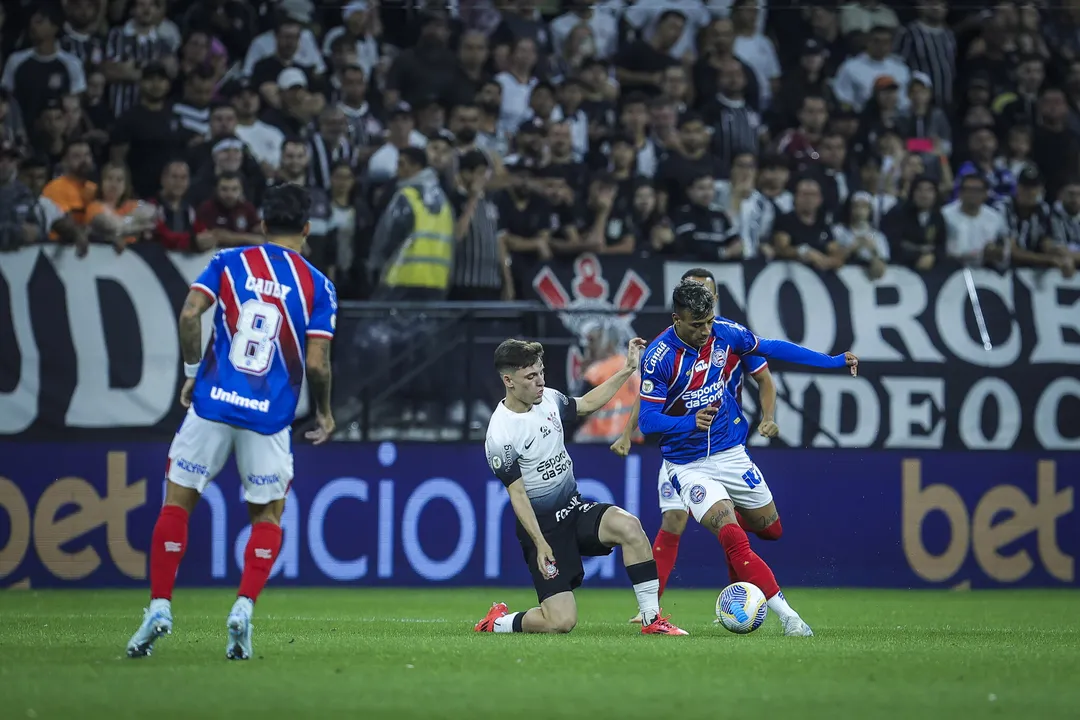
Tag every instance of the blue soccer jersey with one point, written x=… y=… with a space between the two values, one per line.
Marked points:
x=269 y=301
x=678 y=380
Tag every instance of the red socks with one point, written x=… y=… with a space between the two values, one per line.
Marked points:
x=772 y=532
x=665 y=550
x=745 y=562
x=167 y=550
x=262 y=551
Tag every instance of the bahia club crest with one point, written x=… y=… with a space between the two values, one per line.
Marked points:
x=589 y=304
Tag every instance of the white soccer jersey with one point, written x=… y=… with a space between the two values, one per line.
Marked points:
x=531 y=446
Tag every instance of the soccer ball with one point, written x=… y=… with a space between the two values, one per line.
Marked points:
x=741 y=608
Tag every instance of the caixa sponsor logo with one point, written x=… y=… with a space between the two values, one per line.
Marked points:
x=704 y=396
x=232 y=398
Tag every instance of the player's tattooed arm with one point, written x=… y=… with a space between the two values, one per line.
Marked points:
x=318 y=372
x=191 y=346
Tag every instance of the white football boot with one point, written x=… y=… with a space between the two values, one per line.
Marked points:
x=795 y=627
x=239 y=624
x=157 y=621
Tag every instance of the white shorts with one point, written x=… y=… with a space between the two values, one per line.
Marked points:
x=728 y=475
x=668 y=495
x=201 y=447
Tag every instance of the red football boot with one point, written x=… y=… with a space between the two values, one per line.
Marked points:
x=488 y=623
x=661 y=626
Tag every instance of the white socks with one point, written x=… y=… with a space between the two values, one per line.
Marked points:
x=780 y=606
x=505 y=624
x=647 y=600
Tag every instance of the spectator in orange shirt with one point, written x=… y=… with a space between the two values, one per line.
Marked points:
x=113 y=215
x=606 y=424
x=73 y=191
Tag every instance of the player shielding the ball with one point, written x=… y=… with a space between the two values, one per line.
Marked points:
x=686 y=399
x=274 y=318
x=526 y=450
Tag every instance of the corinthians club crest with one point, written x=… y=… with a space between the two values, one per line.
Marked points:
x=589 y=305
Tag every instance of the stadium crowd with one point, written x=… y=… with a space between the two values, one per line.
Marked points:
x=450 y=147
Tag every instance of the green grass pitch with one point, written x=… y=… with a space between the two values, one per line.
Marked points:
x=413 y=654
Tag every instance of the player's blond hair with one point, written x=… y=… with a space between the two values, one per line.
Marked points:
x=514 y=354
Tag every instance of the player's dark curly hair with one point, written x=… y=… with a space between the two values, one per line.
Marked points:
x=697 y=272
x=514 y=355
x=694 y=297
x=285 y=209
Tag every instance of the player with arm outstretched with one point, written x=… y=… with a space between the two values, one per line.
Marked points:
x=686 y=400
x=274 y=318
x=764 y=522
x=526 y=450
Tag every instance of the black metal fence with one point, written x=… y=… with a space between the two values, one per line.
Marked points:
x=422 y=371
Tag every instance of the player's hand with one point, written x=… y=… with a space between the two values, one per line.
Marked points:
x=852 y=362
x=545 y=560
x=185 y=392
x=704 y=417
x=322 y=433
x=768 y=429
x=633 y=353
x=621 y=447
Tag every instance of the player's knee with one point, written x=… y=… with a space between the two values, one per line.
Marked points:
x=674 y=522
x=628 y=531
x=562 y=624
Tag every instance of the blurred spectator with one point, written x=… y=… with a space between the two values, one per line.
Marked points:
x=413 y=248
x=293 y=107
x=703 y=231
x=976 y=232
x=517 y=83
x=113 y=202
x=855 y=79
x=861 y=241
x=982 y=148
x=17 y=227
x=261 y=139
x=640 y=66
x=928 y=47
x=604 y=226
x=288 y=45
x=1055 y=150
x=148 y=135
x=81 y=35
x=401 y=134
x=916 y=229
x=526 y=220
x=804 y=234
x=736 y=127
x=177 y=226
x=231 y=220
x=1019 y=106
x=348 y=235
x=603 y=26
x=129 y=49
x=831 y=173
x=924 y=125
x=1066 y=221
x=1029 y=221
x=862 y=17
x=481 y=263
x=329 y=146
x=43 y=71
x=232 y=21
x=756 y=50
x=427 y=69
x=751 y=213
x=800 y=142
x=682 y=165
x=73 y=191
x=361 y=30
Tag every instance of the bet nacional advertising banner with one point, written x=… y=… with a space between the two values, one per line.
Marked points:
x=81 y=515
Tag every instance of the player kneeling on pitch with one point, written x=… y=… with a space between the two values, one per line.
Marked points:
x=556 y=527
